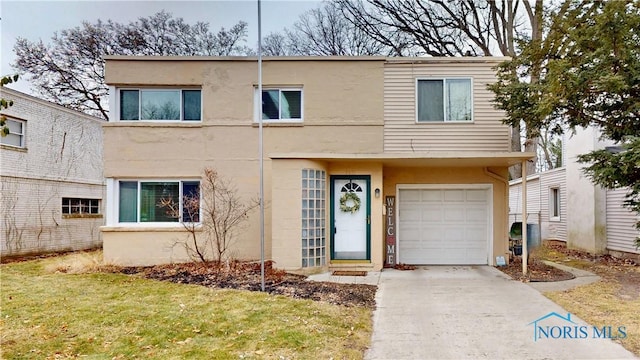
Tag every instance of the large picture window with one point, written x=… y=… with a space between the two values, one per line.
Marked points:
x=281 y=104
x=16 y=133
x=160 y=104
x=159 y=201
x=444 y=100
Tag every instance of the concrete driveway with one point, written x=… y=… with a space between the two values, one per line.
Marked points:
x=476 y=312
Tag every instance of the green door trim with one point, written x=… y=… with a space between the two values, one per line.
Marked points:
x=332 y=209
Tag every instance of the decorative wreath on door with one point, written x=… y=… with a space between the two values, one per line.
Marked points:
x=349 y=202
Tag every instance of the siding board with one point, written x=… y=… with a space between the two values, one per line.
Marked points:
x=538 y=195
x=621 y=231
x=403 y=134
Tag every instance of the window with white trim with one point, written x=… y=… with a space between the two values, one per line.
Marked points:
x=440 y=100
x=280 y=105
x=16 y=134
x=160 y=104
x=80 y=206
x=158 y=201
x=554 y=204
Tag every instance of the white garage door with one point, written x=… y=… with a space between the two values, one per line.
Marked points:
x=443 y=226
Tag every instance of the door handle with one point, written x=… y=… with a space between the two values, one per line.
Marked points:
x=369 y=219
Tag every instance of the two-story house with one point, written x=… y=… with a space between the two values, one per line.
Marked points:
x=368 y=160
x=52 y=187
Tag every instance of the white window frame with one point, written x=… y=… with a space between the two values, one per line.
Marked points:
x=258 y=97
x=22 y=135
x=115 y=197
x=444 y=100
x=66 y=205
x=555 y=198
x=117 y=109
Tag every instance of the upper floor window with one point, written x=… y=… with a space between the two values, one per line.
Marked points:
x=281 y=105
x=159 y=201
x=16 y=133
x=80 y=206
x=444 y=100
x=160 y=104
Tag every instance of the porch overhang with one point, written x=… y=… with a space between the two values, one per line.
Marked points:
x=419 y=159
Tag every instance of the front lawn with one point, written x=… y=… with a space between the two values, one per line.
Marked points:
x=613 y=301
x=47 y=314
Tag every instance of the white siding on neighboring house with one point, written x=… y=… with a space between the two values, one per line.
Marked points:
x=621 y=231
x=553 y=229
x=61 y=158
x=533 y=200
x=401 y=132
x=538 y=201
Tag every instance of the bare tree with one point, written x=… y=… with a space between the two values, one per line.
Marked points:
x=326 y=31
x=70 y=69
x=276 y=44
x=217 y=212
x=5 y=104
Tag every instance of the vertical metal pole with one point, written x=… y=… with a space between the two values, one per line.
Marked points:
x=260 y=145
x=525 y=250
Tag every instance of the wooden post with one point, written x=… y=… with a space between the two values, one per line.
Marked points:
x=525 y=250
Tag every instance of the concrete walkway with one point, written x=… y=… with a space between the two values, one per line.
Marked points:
x=583 y=277
x=472 y=312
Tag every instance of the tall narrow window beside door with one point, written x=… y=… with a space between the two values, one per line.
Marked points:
x=313 y=218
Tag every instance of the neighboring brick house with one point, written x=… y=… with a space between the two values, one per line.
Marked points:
x=568 y=207
x=51 y=176
x=368 y=160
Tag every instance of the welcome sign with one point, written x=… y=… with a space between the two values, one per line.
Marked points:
x=390 y=232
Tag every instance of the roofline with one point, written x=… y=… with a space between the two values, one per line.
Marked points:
x=20 y=94
x=393 y=60
x=427 y=158
x=412 y=155
x=536 y=176
x=244 y=58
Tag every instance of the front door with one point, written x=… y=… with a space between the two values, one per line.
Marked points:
x=350 y=217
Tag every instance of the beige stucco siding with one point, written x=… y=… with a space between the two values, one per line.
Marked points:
x=342 y=102
x=396 y=176
x=403 y=134
x=287 y=207
x=334 y=92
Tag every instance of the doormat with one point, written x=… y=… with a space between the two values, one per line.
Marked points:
x=349 y=273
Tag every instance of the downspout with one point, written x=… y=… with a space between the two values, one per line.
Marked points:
x=506 y=194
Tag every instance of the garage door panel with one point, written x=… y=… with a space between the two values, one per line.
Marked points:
x=453 y=214
x=410 y=214
x=430 y=196
x=476 y=196
x=453 y=195
x=454 y=235
x=410 y=196
x=432 y=214
x=443 y=226
x=476 y=215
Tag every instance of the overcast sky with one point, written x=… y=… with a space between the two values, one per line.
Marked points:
x=36 y=20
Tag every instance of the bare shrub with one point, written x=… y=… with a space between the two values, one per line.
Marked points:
x=211 y=218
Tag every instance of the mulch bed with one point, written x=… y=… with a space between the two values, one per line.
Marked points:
x=246 y=276
x=537 y=271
